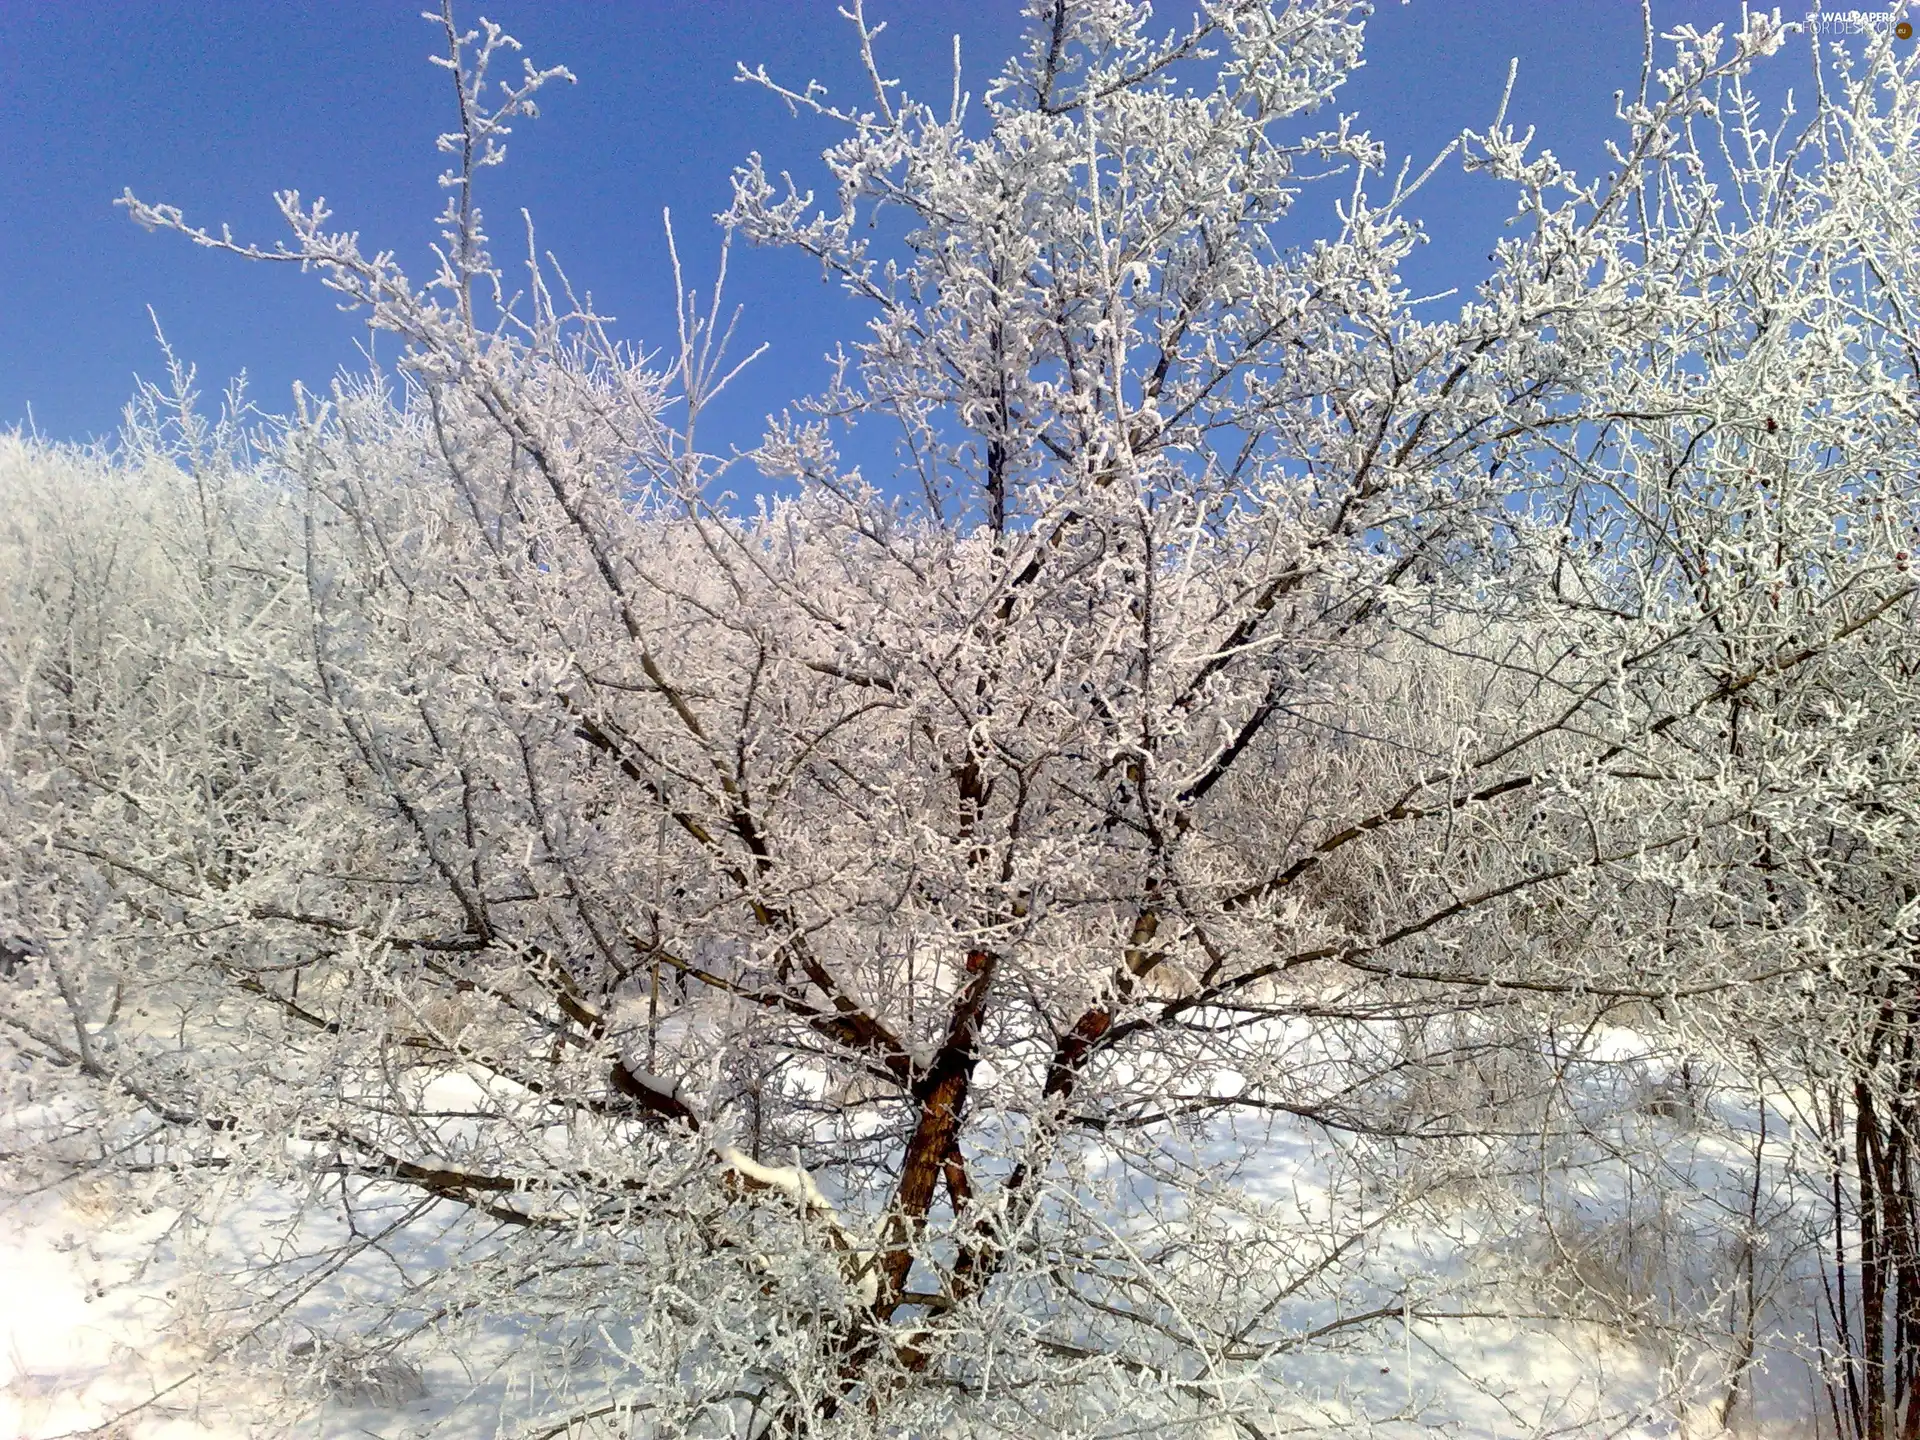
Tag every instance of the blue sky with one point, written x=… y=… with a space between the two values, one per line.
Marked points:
x=214 y=104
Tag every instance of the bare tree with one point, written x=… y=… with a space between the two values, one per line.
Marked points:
x=981 y=953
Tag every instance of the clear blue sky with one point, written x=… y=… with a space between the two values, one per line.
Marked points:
x=214 y=104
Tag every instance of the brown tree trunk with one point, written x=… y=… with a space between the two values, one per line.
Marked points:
x=941 y=1096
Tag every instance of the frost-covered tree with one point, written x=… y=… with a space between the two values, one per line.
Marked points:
x=1037 y=943
x=1764 y=506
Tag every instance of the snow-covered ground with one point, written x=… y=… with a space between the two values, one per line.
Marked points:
x=86 y=1340
x=96 y=1334
x=84 y=1328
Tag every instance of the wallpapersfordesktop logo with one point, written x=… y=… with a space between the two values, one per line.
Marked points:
x=1861 y=22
